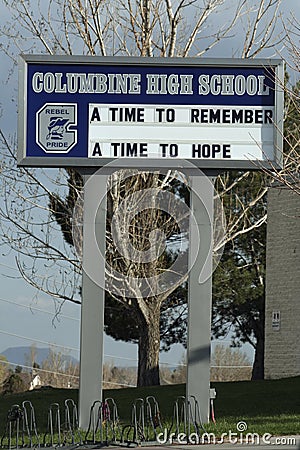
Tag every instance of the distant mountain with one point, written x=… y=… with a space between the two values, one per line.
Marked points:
x=20 y=355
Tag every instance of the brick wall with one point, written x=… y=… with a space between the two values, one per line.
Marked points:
x=282 y=339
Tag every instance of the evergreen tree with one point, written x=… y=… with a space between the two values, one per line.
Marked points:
x=239 y=281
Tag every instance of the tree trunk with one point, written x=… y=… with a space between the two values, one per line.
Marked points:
x=149 y=344
x=258 y=370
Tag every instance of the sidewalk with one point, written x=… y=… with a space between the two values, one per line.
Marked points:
x=276 y=442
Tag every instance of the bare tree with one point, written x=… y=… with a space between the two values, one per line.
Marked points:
x=118 y=377
x=291 y=26
x=29 y=227
x=138 y=263
x=103 y=27
x=138 y=27
x=3 y=370
x=58 y=370
x=174 y=376
x=229 y=364
x=288 y=176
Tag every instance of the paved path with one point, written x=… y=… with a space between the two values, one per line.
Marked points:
x=276 y=443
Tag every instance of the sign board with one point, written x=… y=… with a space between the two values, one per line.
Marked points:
x=88 y=111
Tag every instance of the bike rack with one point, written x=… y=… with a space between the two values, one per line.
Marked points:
x=95 y=423
x=111 y=421
x=71 y=429
x=137 y=425
x=186 y=417
x=195 y=414
x=54 y=426
x=14 y=427
x=153 y=418
x=104 y=425
x=145 y=422
x=29 y=424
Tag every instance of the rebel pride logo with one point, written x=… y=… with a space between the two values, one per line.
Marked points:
x=55 y=127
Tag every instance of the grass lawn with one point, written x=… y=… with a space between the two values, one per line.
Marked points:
x=266 y=406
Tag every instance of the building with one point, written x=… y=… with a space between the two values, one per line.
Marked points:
x=31 y=380
x=282 y=325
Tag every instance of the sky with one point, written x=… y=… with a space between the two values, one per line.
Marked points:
x=26 y=316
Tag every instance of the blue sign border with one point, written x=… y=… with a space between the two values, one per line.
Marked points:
x=31 y=154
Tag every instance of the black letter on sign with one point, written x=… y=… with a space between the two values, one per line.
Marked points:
x=97 y=150
x=95 y=115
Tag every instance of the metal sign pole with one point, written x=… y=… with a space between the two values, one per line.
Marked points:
x=200 y=295
x=93 y=294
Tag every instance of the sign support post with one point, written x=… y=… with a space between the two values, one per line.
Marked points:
x=200 y=295
x=93 y=297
